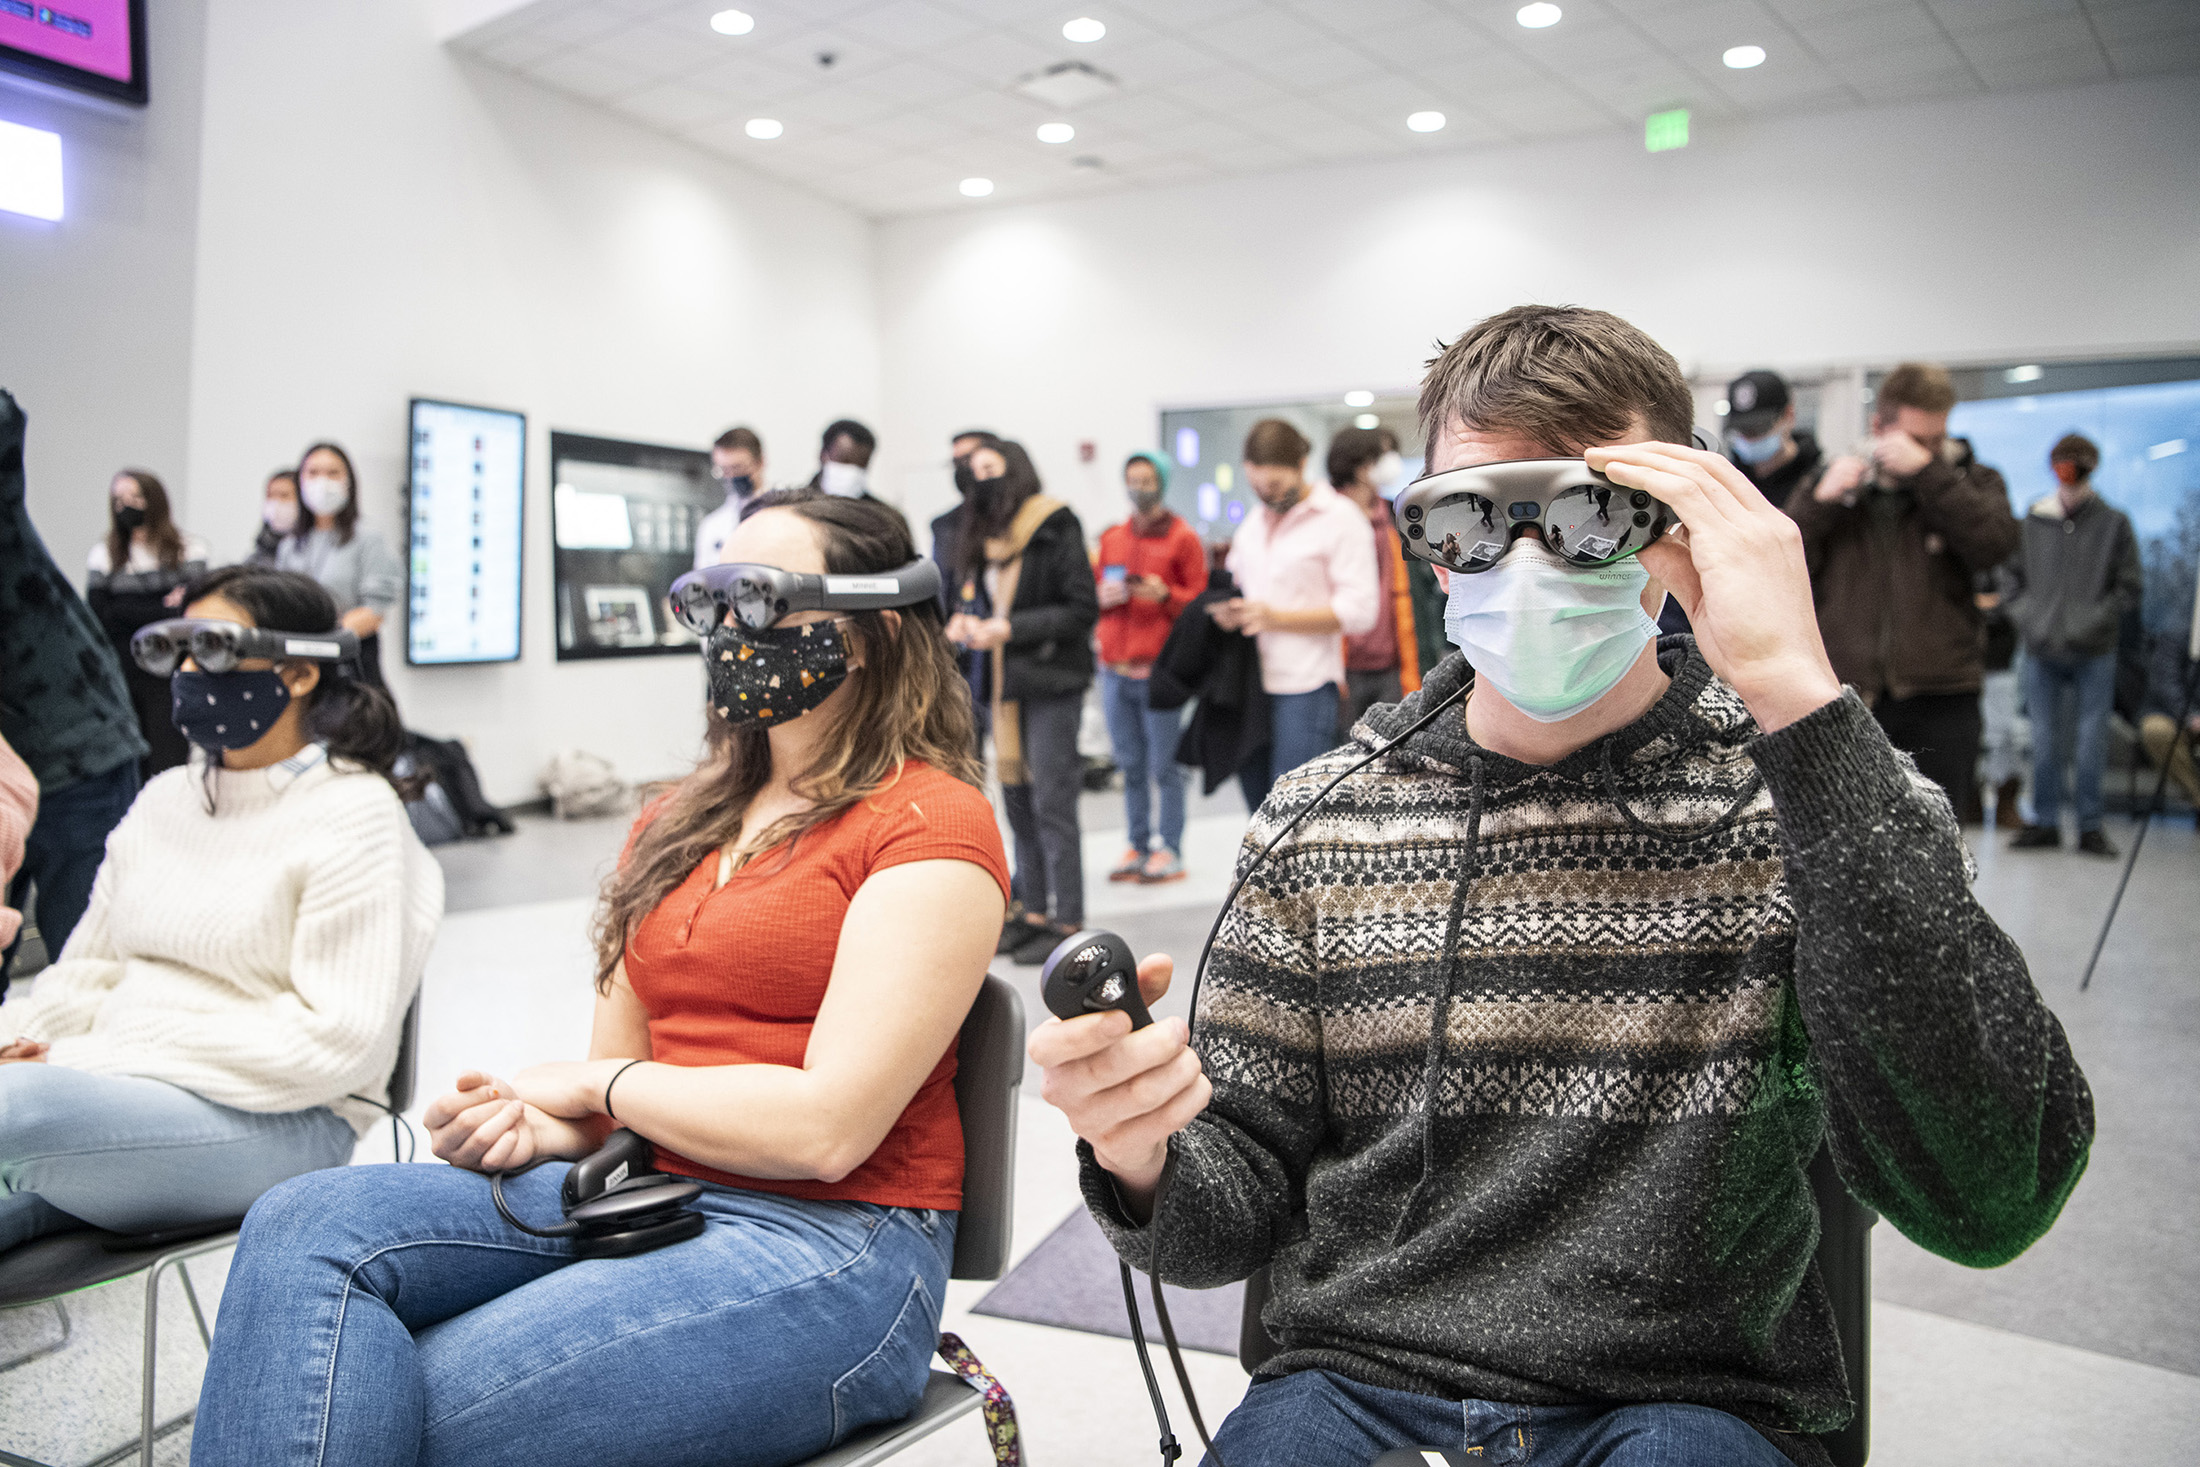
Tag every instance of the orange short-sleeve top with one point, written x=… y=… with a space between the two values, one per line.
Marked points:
x=735 y=974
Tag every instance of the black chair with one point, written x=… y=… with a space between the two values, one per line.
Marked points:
x=46 y=1269
x=1844 y=1261
x=989 y=1068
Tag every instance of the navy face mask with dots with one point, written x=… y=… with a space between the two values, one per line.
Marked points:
x=775 y=675
x=225 y=710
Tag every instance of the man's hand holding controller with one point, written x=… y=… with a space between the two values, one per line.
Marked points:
x=1126 y=1086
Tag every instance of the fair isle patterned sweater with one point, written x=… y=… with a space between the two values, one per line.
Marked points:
x=1518 y=1069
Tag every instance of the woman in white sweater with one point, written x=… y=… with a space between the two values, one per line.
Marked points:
x=226 y=1015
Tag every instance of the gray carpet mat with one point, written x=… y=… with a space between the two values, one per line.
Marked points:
x=1071 y=1281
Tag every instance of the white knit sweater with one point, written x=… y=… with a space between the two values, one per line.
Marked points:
x=261 y=956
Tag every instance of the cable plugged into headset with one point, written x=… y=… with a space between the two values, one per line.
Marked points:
x=615 y=1205
x=1093 y=971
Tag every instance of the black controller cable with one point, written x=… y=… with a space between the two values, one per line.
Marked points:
x=1170 y=1451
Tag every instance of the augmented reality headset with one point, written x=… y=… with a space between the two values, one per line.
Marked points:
x=218 y=646
x=1464 y=519
x=758 y=595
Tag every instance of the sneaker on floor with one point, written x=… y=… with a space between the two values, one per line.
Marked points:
x=1128 y=865
x=1017 y=930
x=1043 y=941
x=2036 y=838
x=1163 y=865
x=2096 y=843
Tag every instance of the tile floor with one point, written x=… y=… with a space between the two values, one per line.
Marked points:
x=2087 y=1348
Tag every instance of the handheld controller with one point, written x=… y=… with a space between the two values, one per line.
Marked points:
x=1091 y=972
x=615 y=1204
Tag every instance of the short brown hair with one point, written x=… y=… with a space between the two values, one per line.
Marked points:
x=1563 y=376
x=1275 y=444
x=742 y=438
x=1925 y=386
x=2076 y=448
x=1352 y=450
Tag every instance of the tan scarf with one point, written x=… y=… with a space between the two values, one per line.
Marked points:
x=1007 y=553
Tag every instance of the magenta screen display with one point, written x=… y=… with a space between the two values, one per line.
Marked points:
x=91 y=35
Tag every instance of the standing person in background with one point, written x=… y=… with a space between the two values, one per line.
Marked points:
x=1384 y=663
x=2000 y=704
x=1151 y=566
x=2167 y=673
x=1895 y=534
x=137 y=575
x=1305 y=568
x=737 y=467
x=278 y=518
x=353 y=562
x=1762 y=439
x=1025 y=599
x=2076 y=576
x=946 y=554
x=63 y=707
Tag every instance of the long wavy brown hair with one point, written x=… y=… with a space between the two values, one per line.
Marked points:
x=161 y=533
x=907 y=701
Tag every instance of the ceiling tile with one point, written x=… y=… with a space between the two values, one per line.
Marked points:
x=2119 y=24
x=995 y=59
x=2058 y=69
x=2162 y=54
x=2027 y=38
x=674 y=107
x=1179 y=16
x=1161 y=61
x=1885 y=29
x=579 y=73
x=1259 y=34
x=1797 y=12
x=1348 y=18
x=1438 y=39
x=1978 y=15
x=1323 y=68
x=1234 y=90
x=909 y=25
x=656 y=51
x=517 y=53
x=1954 y=81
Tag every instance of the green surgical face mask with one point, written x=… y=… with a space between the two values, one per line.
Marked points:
x=1550 y=636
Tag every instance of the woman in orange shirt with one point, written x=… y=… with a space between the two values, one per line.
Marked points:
x=785 y=956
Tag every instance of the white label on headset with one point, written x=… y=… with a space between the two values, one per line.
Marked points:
x=297 y=648
x=618 y=1175
x=863 y=585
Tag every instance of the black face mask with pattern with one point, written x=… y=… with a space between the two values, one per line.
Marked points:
x=773 y=676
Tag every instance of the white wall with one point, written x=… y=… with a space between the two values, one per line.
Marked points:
x=2001 y=227
x=95 y=309
x=380 y=220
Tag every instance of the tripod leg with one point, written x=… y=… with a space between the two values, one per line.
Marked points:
x=2161 y=786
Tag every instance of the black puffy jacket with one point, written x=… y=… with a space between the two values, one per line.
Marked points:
x=1049 y=651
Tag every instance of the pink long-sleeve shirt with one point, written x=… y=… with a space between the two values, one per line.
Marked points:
x=1321 y=554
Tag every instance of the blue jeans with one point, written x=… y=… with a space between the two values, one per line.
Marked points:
x=1313 y=1418
x=62 y=853
x=1145 y=746
x=386 y=1315
x=2063 y=697
x=1301 y=726
x=140 y=1156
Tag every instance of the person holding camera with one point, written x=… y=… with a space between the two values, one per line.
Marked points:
x=1514 y=1054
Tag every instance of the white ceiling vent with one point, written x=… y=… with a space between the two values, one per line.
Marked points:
x=1068 y=84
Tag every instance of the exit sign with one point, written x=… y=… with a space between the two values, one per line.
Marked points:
x=1665 y=131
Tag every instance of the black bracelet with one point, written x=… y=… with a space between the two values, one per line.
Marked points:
x=630 y=1064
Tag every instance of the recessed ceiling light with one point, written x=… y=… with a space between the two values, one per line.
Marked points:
x=1359 y=397
x=1535 y=17
x=2029 y=373
x=1056 y=132
x=1084 y=28
x=1367 y=420
x=733 y=22
x=976 y=188
x=764 y=129
x=1742 y=58
x=1426 y=121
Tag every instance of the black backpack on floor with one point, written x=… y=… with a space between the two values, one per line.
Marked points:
x=447 y=766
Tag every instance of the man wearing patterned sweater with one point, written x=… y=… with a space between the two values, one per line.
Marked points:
x=1513 y=1055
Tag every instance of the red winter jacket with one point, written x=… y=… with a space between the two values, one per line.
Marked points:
x=1133 y=632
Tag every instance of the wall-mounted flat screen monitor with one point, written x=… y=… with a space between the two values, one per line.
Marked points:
x=623 y=519
x=95 y=46
x=467 y=505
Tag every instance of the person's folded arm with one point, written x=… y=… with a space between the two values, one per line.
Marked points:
x=1968 y=506
x=381 y=576
x=1056 y=564
x=1237 y=1174
x=68 y=992
x=1953 y=1103
x=913 y=951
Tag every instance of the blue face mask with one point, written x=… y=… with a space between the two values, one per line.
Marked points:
x=226 y=710
x=1756 y=450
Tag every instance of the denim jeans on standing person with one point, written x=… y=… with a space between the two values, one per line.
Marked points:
x=2069 y=701
x=386 y=1315
x=1301 y=726
x=1313 y=1418
x=1145 y=741
x=138 y=1156
x=1042 y=815
x=2000 y=704
x=62 y=853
